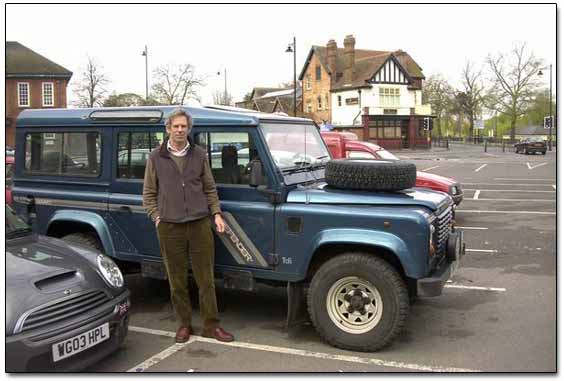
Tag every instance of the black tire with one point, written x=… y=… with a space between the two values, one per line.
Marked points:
x=84 y=239
x=381 y=287
x=376 y=175
x=544 y=152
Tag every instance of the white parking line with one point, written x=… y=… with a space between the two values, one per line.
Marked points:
x=154 y=360
x=483 y=250
x=511 y=190
x=510 y=199
x=509 y=185
x=428 y=169
x=504 y=211
x=511 y=179
x=304 y=353
x=476 y=194
x=453 y=285
x=535 y=166
x=471 y=228
x=479 y=168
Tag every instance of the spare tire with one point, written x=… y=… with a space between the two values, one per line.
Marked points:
x=377 y=175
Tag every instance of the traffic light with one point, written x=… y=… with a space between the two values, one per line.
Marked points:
x=426 y=124
x=548 y=122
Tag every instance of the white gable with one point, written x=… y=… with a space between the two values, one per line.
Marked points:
x=390 y=73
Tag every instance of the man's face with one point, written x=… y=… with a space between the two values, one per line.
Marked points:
x=178 y=130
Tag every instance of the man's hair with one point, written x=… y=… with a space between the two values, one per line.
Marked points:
x=176 y=113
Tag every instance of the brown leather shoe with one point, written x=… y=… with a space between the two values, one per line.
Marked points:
x=183 y=334
x=219 y=334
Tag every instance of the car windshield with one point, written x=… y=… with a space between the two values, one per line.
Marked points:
x=294 y=146
x=387 y=155
x=14 y=225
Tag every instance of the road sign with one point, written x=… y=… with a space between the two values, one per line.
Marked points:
x=547 y=121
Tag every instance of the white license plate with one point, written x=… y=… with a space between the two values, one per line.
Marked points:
x=81 y=342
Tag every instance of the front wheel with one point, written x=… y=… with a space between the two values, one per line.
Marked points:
x=358 y=302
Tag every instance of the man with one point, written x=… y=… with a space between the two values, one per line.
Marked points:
x=179 y=195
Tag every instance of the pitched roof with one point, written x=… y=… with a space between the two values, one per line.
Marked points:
x=287 y=104
x=24 y=62
x=258 y=92
x=366 y=64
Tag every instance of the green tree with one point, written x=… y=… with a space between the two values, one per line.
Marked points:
x=515 y=81
x=438 y=93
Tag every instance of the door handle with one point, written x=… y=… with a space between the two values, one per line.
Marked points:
x=124 y=210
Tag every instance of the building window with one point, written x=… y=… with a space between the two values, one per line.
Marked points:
x=339 y=100
x=47 y=90
x=23 y=94
x=319 y=103
x=318 y=73
x=351 y=101
x=389 y=96
x=326 y=102
x=308 y=82
x=309 y=108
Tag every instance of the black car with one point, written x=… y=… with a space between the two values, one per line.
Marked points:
x=531 y=145
x=66 y=305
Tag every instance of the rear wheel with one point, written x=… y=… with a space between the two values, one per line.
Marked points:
x=358 y=302
x=84 y=239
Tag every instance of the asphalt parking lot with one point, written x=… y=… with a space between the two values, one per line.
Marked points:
x=497 y=314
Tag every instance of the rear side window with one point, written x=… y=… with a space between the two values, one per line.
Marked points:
x=63 y=154
x=133 y=151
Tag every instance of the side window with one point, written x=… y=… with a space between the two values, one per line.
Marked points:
x=133 y=151
x=229 y=154
x=63 y=154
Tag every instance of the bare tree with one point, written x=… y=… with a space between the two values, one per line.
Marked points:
x=90 y=88
x=471 y=99
x=174 y=84
x=438 y=92
x=514 y=82
x=222 y=98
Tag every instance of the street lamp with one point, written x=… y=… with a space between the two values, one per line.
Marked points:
x=146 y=54
x=549 y=105
x=225 y=89
x=292 y=49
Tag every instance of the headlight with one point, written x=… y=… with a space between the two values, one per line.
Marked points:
x=453 y=189
x=110 y=271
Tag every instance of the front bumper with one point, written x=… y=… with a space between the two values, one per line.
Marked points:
x=24 y=353
x=457 y=198
x=433 y=284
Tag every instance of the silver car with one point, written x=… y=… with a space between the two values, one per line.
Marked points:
x=66 y=306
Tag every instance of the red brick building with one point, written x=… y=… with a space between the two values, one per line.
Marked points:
x=32 y=81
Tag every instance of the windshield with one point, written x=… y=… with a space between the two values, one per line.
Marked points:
x=387 y=155
x=295 y=145
x=14 y=225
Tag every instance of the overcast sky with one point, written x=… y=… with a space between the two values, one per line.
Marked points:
x=250 y=40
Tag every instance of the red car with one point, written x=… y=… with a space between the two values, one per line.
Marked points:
x=9 y=172
x=346 y=145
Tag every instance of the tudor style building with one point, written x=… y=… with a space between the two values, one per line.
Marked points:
x=376 y=94
x=32 y=81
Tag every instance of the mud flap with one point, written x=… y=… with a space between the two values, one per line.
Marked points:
x=297 y=310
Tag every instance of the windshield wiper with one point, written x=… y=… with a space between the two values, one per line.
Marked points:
x=306 y=166
x=19 y=232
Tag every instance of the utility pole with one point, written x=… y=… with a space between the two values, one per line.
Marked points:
x=146 y=54
x=292 y=48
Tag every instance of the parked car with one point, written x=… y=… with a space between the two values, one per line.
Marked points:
x=66 y=305
x=358 y=247
x=9 y=173
x=531 y=145
x=347 y=145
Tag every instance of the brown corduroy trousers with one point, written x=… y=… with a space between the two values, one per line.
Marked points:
x=177 y=242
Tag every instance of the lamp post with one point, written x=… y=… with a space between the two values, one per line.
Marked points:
x=549 y=106
x=292 y=49
x=146 y=54
x=225 y=88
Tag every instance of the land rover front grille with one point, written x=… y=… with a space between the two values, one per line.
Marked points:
x=64 y=309
x=442 y=228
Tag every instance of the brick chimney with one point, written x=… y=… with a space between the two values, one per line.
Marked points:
x=349 y=59
x=332 y=59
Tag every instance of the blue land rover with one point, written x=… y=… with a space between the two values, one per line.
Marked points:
x=345 y=237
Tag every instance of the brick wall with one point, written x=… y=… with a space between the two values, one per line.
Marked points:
x=318 y=88
x=36 y=100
